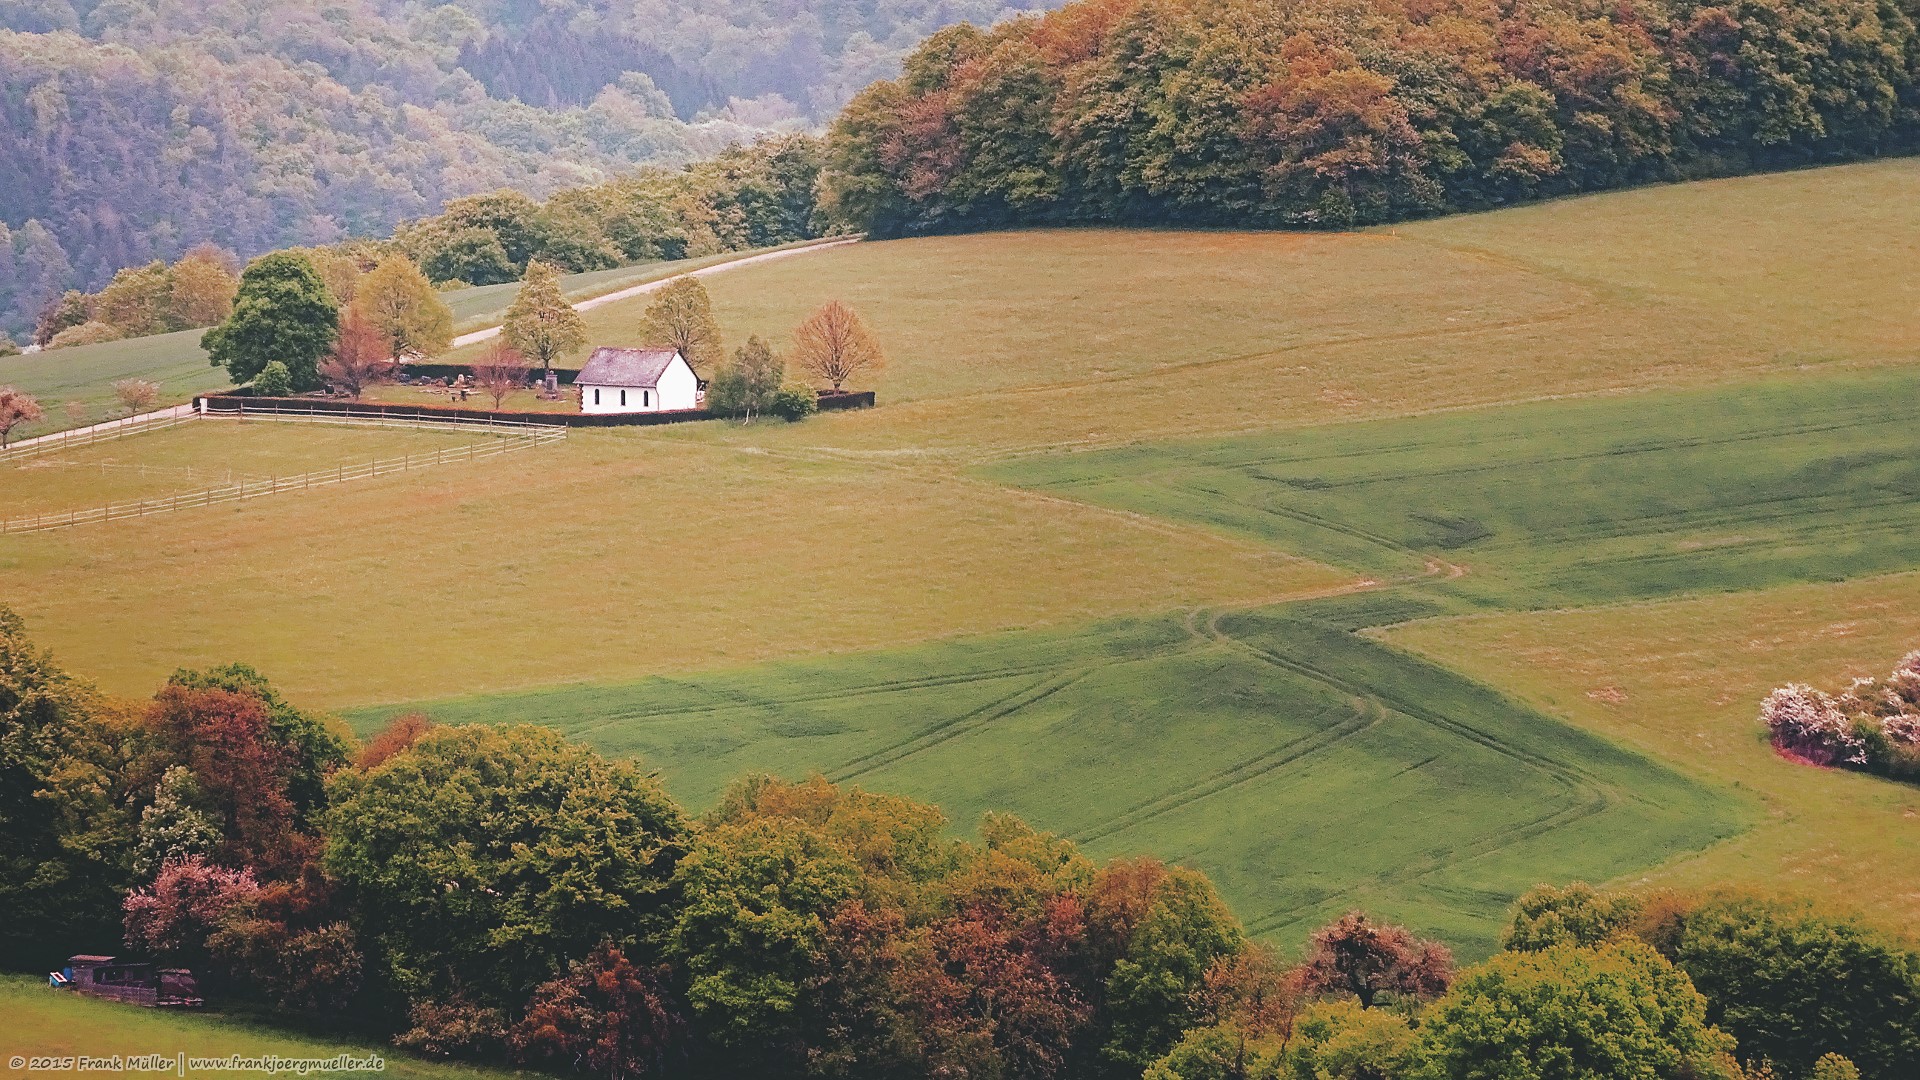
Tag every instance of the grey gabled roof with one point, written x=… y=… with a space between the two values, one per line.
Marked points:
x=625 y=367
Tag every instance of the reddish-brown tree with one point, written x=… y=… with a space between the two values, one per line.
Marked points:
x=1355 y=955
x=400 y=733
x=833 y=345
x=186 y=903
x=500 y=371
x=17 y=409
x=986 y=1004
x=359 y=358
x=136 y=395
x=606 y=1016
x=222 y=738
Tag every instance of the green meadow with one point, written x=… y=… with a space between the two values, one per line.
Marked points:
x=1307 y=769
x=1562 y=503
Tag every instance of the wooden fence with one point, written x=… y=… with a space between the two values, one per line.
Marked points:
x=68 y=440
x=274 y=485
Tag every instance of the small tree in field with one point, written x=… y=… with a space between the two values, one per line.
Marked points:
x=500 y=371
x=1355 y=955
x=747 y=386
x=359 y=356
x=77 y=412
x=681 y=317
x=136 y=395
x=540 y=323
x=17 y=409
x=833 y=345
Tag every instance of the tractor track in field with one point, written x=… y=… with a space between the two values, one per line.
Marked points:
x=955 y=727
x=1364 y=716
x=739 y=700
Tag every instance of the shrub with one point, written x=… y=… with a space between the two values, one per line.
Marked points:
x=1873 y=726
x=606 y=1017
x=87 y=333
x=273 y=381
x=1805 y=723
x=794 y=402
x=7 y=347
x=454 y=1027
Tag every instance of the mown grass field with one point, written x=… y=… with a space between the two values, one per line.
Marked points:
x=43 y=1022
x=1703 y=391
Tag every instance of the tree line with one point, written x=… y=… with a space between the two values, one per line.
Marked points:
x=1327 y=113
x=503 y=894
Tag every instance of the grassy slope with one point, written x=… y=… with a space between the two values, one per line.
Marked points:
x=1561 y=503
x=40 y=1021
x=712 y=546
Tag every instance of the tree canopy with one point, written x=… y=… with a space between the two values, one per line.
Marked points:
x=540 y=324
x=282 y=311
x=1329 y=114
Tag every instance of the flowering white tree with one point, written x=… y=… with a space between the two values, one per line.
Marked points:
x=1807 y=723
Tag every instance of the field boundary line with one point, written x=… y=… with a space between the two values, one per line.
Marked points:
x=275 y=485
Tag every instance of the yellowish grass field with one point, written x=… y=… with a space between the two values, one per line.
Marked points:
x=612 y=555
x=1683 y=679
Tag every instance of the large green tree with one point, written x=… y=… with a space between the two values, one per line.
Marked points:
x=681 y=317
x=284 y=312
x=1792 y=982
x=1152 y=993
x=1567 y=1012
x=483 y=859
x=65 y=835
x=755 y=899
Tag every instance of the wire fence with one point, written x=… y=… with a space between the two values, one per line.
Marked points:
x=274 y=485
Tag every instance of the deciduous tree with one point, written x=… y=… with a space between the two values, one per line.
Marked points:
x=485 y=858
x=136 y=395
x=403 y=307
x=17 y=409
x=360 y=355
x=746 y=386
x=540 y=323
x=500 y=371
x=1355 y=955
x=201 y=286
x=681 y=317
x=606 y=1017
x=834 y=345
x=281 y=311
x=1619 y=1010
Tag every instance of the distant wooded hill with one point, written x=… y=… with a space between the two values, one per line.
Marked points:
x=132 y=131
x=1337 y=113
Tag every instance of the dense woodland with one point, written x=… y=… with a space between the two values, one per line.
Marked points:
x=502 y=894
x=134 y=131
x=1343 y=112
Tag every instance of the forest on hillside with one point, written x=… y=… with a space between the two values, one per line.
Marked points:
x=134 y=130
x=1333 y=113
